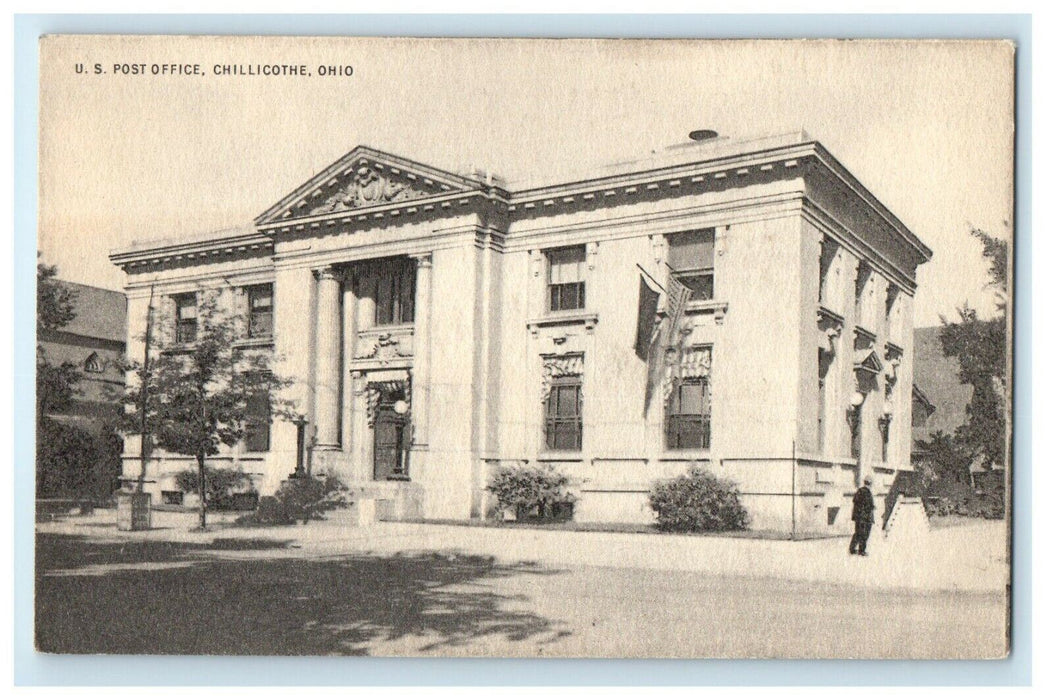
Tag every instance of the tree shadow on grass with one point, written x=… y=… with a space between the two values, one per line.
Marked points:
x=194 y=601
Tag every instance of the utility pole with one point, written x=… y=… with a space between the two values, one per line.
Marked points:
x=144 y=389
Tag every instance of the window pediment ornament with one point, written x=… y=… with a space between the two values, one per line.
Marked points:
x=94 y=364
x=694 y=363
x=385 y=347
x=830 y=325
x=556 y=366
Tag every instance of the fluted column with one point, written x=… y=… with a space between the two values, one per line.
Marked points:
x=327 y=361
x=422 y=350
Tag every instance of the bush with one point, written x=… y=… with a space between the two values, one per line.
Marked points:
x=77 y=463
x=220 y=485
x=531 y=490
x=299 y=500
x=698 y=502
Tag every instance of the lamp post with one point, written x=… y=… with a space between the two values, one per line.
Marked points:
x=301 y=436
x=401 y=409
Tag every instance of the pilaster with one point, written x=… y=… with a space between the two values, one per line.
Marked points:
x=421 y=385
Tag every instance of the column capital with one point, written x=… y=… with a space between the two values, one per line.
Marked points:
x=329 y=272
x=423 y=259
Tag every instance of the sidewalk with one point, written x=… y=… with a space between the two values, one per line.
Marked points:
x=963 y=558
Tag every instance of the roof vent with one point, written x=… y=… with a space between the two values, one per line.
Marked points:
x=702 y=135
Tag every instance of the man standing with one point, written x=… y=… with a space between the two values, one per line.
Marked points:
x=863 y=515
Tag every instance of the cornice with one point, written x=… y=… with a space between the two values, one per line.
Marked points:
x=420 y=209
x=151 y=256
x=692 y=175
x=825 y=222
x=849 y=180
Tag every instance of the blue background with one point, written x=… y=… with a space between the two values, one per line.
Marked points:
x=40 y=669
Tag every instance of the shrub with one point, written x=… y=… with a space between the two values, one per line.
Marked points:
x=220 y=484
x=299 y=500
x=698 y=502
x=77 y=463
x=530 y=490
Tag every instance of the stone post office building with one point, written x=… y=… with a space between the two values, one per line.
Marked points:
x=439 y=325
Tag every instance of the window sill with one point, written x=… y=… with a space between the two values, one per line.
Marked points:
x=179 y=349
x=388 y=328
x=560 y=456
x=689 y=454
x=699 y=307
x=260 y=342
x=589 y=319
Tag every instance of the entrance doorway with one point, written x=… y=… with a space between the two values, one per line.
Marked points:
x=390 y=432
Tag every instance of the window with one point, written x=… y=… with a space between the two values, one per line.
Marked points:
x=687 y=417
x=261 y=311
x=826 y=260
x=825 y=360
x=884 y=425
x=566 y=279
x=186 y=318
x=395 y=286
x=172 y=498
x=563 y=414
x=862 y=281
x=691 y=259
x=258 y=424
x=853 y=422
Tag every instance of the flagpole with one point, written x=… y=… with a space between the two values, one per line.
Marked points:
x=651 y=277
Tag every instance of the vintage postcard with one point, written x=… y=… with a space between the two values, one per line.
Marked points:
x=524 y=348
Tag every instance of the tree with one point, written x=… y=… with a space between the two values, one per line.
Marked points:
x=56 y=383
x=980 y=347
x=195 y=397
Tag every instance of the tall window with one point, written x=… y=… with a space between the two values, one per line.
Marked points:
x=691 y=258
x=853 y=424
x=862 y=280
x=884 y=426
x=563 y=414
x=395 y=287
x=186 y=318
x=258 y=425
x=825 y=359
x=826 y=260
x=261 y=311
x=687 y=416
x=566 y=278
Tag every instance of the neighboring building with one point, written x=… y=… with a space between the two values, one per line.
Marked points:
x=482 y=325
x=94 y=342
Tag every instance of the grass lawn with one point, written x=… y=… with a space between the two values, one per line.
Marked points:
x=157 y=597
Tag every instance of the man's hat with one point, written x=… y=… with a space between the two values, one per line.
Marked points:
x=868 y=480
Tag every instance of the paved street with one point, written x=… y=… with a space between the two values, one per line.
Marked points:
x=415 y=589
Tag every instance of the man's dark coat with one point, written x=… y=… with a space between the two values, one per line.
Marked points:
x=863 y=506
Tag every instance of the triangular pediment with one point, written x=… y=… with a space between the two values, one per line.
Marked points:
x=366 y=178
x=868 y=361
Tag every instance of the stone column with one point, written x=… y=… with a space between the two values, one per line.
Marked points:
x=422 y=351
x=327 y=361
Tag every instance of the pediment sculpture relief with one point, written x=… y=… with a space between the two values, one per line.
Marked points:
x=367 y=188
